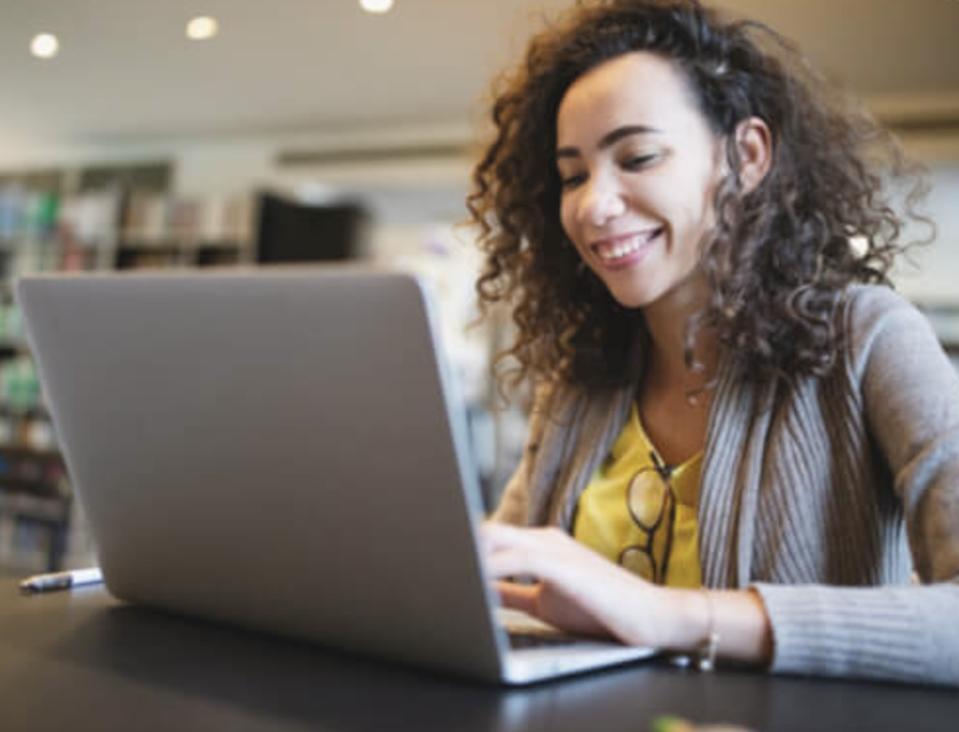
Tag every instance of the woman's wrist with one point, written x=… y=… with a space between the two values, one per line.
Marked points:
x=735 y=619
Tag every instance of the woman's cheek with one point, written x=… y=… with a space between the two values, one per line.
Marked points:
x=565 y=218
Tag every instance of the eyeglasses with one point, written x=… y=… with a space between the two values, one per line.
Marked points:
x=651 y=503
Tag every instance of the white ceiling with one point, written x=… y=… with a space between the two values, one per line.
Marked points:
x=126 y=72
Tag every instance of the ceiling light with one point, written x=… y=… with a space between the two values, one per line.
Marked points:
x=376 y=6
x=44 y=45
x=202 y=28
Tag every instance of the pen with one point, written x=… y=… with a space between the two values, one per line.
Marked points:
x=61 y=580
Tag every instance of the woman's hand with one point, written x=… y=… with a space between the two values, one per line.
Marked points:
x=575 y=588
x=580 y=591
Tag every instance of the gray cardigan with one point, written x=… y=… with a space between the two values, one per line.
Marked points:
x=824 y=499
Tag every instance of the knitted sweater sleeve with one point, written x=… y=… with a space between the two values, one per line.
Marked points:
x=910 y=393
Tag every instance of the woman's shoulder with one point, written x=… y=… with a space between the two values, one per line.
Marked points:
x=557 y=398
x=866 y=302
x=877 y=314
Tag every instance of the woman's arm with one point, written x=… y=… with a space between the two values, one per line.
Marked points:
x=583 y=592
x=909 y=394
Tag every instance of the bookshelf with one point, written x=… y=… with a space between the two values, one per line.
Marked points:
x=85 y=218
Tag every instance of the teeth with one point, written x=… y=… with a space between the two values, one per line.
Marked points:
x=622 y=249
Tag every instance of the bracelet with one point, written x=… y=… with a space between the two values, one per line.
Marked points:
x=706 y=660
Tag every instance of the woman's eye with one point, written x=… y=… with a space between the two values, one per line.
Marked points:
x=571 y=181
x=638 y=161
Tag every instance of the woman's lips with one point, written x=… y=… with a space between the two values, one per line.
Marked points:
x=626 y=250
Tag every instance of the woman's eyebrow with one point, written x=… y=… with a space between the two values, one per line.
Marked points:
x=610 y=138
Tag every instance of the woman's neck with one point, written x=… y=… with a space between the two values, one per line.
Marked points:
x=666 y=321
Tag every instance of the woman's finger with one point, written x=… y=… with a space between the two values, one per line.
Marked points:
x=512 y=562
x=495 y=535
x=517 y=596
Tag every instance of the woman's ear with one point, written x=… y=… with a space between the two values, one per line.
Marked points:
x=754 y=143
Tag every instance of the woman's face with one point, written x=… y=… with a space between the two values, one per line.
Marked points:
x=638 y=165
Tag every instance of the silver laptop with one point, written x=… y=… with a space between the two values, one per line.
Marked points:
x=283 y=450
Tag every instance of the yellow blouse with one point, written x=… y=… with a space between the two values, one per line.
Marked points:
x=616 y=504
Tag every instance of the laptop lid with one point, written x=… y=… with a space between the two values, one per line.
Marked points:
x=277 y=449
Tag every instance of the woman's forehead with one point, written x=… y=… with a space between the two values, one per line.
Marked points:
x=637 y=88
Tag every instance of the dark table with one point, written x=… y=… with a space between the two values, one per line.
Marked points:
x=81 y=660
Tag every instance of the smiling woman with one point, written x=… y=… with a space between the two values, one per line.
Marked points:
x=726 y=438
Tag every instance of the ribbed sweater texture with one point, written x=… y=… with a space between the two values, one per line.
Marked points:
x=825 y=498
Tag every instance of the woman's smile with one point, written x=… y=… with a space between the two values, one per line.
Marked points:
x=626 y=250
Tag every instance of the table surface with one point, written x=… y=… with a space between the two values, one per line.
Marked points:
x=82 y=660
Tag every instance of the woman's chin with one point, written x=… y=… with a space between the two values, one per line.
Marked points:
x=640 y=293
x=631 y=297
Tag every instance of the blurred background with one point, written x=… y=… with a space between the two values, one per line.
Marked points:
x=234 y=132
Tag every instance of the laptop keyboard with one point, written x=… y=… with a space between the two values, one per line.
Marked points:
x=518 y=641
x=525 y=631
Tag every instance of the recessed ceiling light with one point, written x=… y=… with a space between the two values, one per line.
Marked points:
x=376 y=6
x=202 y=28
x=44 y=45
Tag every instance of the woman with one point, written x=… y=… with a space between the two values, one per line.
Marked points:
x=694 y=243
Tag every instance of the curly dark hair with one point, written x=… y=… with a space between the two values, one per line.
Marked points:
x=778 y=258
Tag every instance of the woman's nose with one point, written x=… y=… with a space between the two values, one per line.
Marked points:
x=602 y=201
